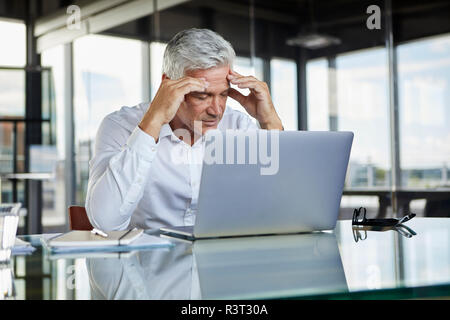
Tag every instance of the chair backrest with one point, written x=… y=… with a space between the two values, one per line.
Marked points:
x=79 y=219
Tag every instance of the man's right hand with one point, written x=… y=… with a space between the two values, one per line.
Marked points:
x=167 y=100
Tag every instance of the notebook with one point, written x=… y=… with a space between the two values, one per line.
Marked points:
x=79 y=238
x=117 y=241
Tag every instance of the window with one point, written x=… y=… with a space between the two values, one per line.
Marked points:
x=424 y=108
x=317 y=95
x=12 y=107
x=350 y=94
x=53 y=107
x=13 y=34
x=362 y=107
x=283 y=82
x=12 y=92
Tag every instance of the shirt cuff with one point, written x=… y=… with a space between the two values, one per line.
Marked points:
x=143 y=144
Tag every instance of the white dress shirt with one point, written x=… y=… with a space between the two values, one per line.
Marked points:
x=147 y=275
x=134 y=182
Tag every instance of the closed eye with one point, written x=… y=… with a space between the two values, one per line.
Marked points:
x=199 y=95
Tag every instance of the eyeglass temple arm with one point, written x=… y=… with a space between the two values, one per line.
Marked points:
x=406 y=218
x=401 y=227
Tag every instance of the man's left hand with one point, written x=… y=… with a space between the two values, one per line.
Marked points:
x=258 y=103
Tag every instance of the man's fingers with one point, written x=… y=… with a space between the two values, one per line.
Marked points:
x=236 y=95
x=236 y=80
x=189 y=87
x=234 y=73
x=186 y=80
x=249 y=82
x=254 y=85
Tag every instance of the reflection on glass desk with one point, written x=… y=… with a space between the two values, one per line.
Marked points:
x=251 y=267
x=381 y=264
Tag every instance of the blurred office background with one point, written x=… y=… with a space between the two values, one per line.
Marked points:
x=64 y=65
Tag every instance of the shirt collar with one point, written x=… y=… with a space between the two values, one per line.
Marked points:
x=165 y=131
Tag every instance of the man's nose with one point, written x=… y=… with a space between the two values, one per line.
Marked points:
x=215 y=108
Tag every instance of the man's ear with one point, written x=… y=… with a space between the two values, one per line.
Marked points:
x=164 y=77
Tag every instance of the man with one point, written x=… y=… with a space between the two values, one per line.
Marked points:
x=134 y=181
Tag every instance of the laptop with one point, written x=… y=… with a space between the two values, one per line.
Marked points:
x=261 y=182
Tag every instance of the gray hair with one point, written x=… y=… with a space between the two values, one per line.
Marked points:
x=195 y=49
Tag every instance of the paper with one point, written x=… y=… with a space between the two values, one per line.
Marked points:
x=145 y=241
x=84 y=238
x=36 y=239
x=22 y=247
x=92 y=255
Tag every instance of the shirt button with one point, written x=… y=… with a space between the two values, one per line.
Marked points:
x=153 y=149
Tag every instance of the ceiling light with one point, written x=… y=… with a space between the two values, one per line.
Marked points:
x=313 y=41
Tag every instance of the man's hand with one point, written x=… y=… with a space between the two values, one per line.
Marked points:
x=167 y=100
x=258 y=103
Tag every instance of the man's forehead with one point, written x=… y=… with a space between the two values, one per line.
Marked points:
x=215 y=74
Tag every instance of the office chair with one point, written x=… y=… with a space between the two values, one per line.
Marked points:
x=79 y=219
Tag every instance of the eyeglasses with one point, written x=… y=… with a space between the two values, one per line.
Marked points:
x=361 y=223
x=360 y=232
x=359 y=219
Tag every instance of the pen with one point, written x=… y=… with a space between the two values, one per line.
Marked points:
x=99 y=232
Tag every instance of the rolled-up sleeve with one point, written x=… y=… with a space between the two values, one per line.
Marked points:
x=117 y=174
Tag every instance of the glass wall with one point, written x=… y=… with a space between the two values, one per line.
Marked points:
x=13 y=124
x=12 y=107
x=424 y=105
x=12 y=34
x=350 y=92
x=363 y=107
x=53 y=212
x=107 y=75
x=317 y=95
x=358 y=102
x=12 y=92
x=283 y=87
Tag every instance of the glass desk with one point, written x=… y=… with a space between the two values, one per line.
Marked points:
x=329 y=265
